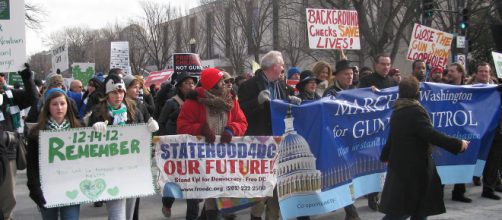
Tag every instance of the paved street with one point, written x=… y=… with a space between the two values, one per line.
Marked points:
x=481 y=208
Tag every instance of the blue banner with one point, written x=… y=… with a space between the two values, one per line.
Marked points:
x=329 y=155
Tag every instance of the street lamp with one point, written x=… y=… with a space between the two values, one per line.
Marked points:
x=192 y=43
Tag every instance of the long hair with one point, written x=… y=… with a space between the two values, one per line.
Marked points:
x=319 y=66
x=101 y=109
x=45 y=115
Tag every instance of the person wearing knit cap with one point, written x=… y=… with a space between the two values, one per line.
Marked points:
x=294 y=73
x=55 y=116
x=396 y=74
x=91 y=96
x=436 y=75
x=212 y=110
x=115 y=109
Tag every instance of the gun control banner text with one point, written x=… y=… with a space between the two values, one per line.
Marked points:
x=191 y=169
x=333 y=29
x=430 y=45
x=345 y=136
x=81 y=165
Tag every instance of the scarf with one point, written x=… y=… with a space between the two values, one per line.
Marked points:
x=53 y=125
x=217 y=103
x=119 y=115
x=16 y=116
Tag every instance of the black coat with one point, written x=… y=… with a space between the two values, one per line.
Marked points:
x=378 y=81
x=169 y=116
x=412 y=185
x=258 y=116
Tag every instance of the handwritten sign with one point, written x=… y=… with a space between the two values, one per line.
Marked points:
x=430 y=45
x=12 y=35
x=333 y=29
x=83 y=72
x=81 y=165
x=60 y=58
x=497 y=60
x=190 y=168
x=119 y=56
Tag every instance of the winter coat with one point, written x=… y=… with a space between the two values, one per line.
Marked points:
x=169 y=116
x=412 y=186
x=378 y=81
x=149 y=103
x=334 y=89
x=193 y=116
x=261 y=123
x=95 y=117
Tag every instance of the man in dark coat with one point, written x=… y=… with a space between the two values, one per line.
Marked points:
x=254 y=97
x=412 y=186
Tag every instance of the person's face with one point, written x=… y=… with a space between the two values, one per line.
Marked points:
x=397 y=77
x=229 y=83
x=344 y=77
x=483 y=74
x=419 y=70
x=324 y=74
x=58 y=108
x=187 y=85
x=453 y=74
x=116 y=97
x=2 y=80
x=437 y=76
x=295 y=76
x=133 y=91
x=277 y=70
x=76 y=86
x=311 y=86
x=91 y=88
x=382 y=67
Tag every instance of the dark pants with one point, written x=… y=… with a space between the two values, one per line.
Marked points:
x=192 y=206
x=458 y=189
x=403 y=217
x=490 y=173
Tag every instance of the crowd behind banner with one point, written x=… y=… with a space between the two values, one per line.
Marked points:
x=237 y=134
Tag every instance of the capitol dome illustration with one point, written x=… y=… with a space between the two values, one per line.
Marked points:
x=296 y=169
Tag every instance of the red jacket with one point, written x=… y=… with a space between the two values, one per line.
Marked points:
x=193 y=115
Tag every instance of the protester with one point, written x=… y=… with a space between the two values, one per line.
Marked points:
x=363 y=72
x=380 y=79
x=55 y=115
x=10 y=123
x=395 y=74
x=436 y=75
x=343 y=78
x=322 y=71
x=212 y=110
x=494 y=159
x=94 y=85
x=456 y=74
x=307 y=86
x=255 y=95
x=412 y=185
x=294 y=73
x=419 y=68
x=356 y=77
x=116 y=110
x=238 y=82
x=166 y=92
x=75 y=93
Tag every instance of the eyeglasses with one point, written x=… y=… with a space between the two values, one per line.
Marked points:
x=228 y=81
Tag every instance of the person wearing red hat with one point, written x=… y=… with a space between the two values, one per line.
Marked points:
x=212 y=109
x=436 y=75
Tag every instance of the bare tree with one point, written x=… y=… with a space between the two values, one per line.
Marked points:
x=34 y=15
x=41 y=64
x=137 y=53
x=157 y=36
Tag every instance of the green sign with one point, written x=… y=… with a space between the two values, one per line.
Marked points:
x=15 y=78
x=83 y=72
x=4 y=10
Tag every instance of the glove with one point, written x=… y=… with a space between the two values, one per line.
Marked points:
x=295 y=100
x=38 y=198
x=263 y=96
x=100 y=126
x=226 y=136
x=208 y=133
x=26 y=72
x=153 y=126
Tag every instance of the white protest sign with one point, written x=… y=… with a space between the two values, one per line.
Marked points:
x=460 y=58
x=119 y=56
x=430 y=45
x=12 y=35
x=333 y=29
x=497 y=60
x=190 y=168
x=460 y=41
x=80 y=165
x=60 y=58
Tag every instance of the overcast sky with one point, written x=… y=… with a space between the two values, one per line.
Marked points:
x=90 y=13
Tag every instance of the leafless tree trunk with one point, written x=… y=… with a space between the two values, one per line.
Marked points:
x=34 y=15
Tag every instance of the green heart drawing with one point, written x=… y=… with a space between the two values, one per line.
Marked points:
x=113 y=191
x=72 y=194
x=92 y=189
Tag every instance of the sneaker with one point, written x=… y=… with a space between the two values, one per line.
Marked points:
x=166 y=212
x=490 y=195
x=461 y=198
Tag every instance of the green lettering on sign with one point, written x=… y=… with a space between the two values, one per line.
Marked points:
x=55 y=145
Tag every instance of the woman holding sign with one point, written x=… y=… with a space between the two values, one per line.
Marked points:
x=412 y=186
x=54 y=116
x=115 y=110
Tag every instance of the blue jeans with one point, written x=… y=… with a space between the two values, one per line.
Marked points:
x=403 y=217
x=71 y=212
